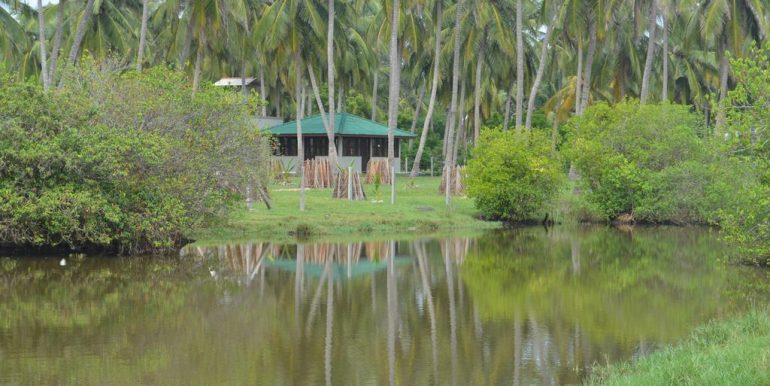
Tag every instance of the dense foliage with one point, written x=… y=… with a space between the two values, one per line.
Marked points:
x=512 y=176
x=748 y=116
x=651 y=162
x=124 y=161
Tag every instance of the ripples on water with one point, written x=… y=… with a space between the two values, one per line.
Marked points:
x=517 y=307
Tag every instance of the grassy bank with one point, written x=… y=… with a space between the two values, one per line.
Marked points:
x=419 y=209
x=735 y=352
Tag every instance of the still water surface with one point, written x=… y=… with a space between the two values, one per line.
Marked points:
x=528 y=306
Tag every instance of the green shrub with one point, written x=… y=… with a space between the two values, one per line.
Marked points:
x=651 y=162
x=512 y=177
x=123 y=161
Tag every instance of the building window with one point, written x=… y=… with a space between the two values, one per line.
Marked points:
x=380 y=147
x=316 y=147
x=286 y=146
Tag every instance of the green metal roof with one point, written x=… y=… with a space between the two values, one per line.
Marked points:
x=345 y=124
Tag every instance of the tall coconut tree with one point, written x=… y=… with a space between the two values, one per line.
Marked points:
x=551 y=24
x=395 y=79
x=433 y=89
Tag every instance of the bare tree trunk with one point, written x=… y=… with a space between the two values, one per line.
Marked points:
x=57 y=38
x=187 y=44
x=244 y=89
x=645 y=93
x=324 y=116
x=300 y=143
x=664 y=97
x=507 y=118
x=198 y=64
x=81 y=32
x=142 y=35
x=330 y=75
x=433 y=91
x=41 y=42
x=477 y=91
x=374 y=94
x=724 y=76
x=449 y=136
x=418 y=106
x=460 y=122
x=395 y=82
x=519 y=64
x=540 y=71
x=589 y=65
x=579 y=77
x=262 y=92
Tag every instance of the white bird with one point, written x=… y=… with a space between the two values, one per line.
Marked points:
x=62 y=262
x=213 y=273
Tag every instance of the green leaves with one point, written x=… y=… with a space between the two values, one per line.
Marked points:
x=141 y=168
x=512 y=177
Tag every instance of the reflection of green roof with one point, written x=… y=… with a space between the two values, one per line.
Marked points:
x=346 y=124
x=340 y=269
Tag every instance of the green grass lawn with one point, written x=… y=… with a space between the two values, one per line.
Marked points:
x=736 y=352
x=419 y=209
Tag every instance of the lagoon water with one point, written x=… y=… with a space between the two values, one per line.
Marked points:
x=517 y=307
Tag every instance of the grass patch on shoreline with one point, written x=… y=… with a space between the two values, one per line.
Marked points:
x=419 y=209
x=735 y=352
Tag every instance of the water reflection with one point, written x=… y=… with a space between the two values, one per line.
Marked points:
x=516 y=307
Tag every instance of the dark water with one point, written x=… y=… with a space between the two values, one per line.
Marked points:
x=515 y=307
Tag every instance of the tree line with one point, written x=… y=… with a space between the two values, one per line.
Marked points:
x=469 y=61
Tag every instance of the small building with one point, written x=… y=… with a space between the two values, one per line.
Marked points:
x=357 y=140
x=251 y=83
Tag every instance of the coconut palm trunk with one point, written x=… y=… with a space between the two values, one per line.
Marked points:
x=664 y=96
x=519 y=64
x=579 y=76
x=507 y=116
x=57 y=39
x=187 y=44
x=433 y=91
x=477 y=91
x=80 y=33
x=299 y=98
x=330 y=79
x=142 y=35
x=198 y=62
x=262 y=88
x=645 y=93
x=374 y=94
x=540 y=71
x=449 y=135
x=395 y=82
x=41 y=42
x=586 y=91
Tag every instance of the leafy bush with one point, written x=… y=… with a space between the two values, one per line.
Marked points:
x=747 y=139
x=123 y=161
x=649 y=161
x=512 y=177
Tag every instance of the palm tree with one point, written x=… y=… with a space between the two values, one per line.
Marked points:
x=57 y=41
x=541 y=64
x=650 y=52
x=519 y=63
x=395 y=80
x=433 y=89
x=452 y=116
x=81 y=32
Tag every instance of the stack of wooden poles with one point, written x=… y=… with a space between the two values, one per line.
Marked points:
x=318 y=173
x=349 y=186
x=378 y=168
